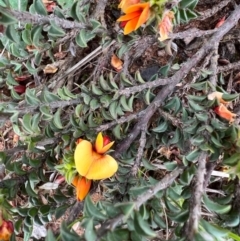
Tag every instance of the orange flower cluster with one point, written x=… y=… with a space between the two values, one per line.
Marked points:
x=92 y=164
x=222 y=110
x=136 y=14
x=6 y=230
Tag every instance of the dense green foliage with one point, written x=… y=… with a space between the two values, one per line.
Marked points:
x=142 y=201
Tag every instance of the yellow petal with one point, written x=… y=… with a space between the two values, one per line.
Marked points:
x=83 y=157
x=103 y=167
x=99 y=142
x=106 y=148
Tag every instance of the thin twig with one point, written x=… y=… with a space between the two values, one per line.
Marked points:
x=210 y=12
x=214 y=65
x=52 y=105
x=37 y=19
x=192 y=32
x=195 y=202
x=229 y=67
x=141 y=147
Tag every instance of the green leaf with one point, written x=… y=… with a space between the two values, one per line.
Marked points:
x=76 y=13
x=192 y=156
x=31 y=69
x=11 y=33
x=38 y=58
x=30 y=97
x=188 y=3
x=26 y=36
x=180 y=217
x=50 y=236
x=91 y=210
x=124 y=104
x=232 y=160
x=126 y=207
x=65 y=4
x=45 y=110
x=60 y=211
x=6 y=18
x=39 y=7
x=215 y=207
x=200 y=86
x=66 y=234
x=117 y=132
x=113 y=109
x=55 y=30
x=17 y=130
x=195 y=106
x=95 y=24
x=81 y=41
x=27 y=123
x=104 y=84
x=218 y=233
x=57 y=119
x=83 y=37
x=30 y=190
x=89 y=233
x=36 y=35
x=191 y=14
x=161 y=128
x=230 y=97
x=96 y=90
x=142 y=227
x=10 y=80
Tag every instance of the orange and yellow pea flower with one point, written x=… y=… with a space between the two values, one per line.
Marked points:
x=91 y=162
x=6 y=230
x=223 y=112
x=82 y=187
x=135 y=15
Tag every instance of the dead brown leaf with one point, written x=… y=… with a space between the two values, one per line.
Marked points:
x=116 y=63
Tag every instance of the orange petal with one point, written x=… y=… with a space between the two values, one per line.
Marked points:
x=137 y=7
x=83 y=157
x=143 y=17
x=82 y=187
x=130 y=26
x=102 y=168
x=223 y=112
x=129 y=16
